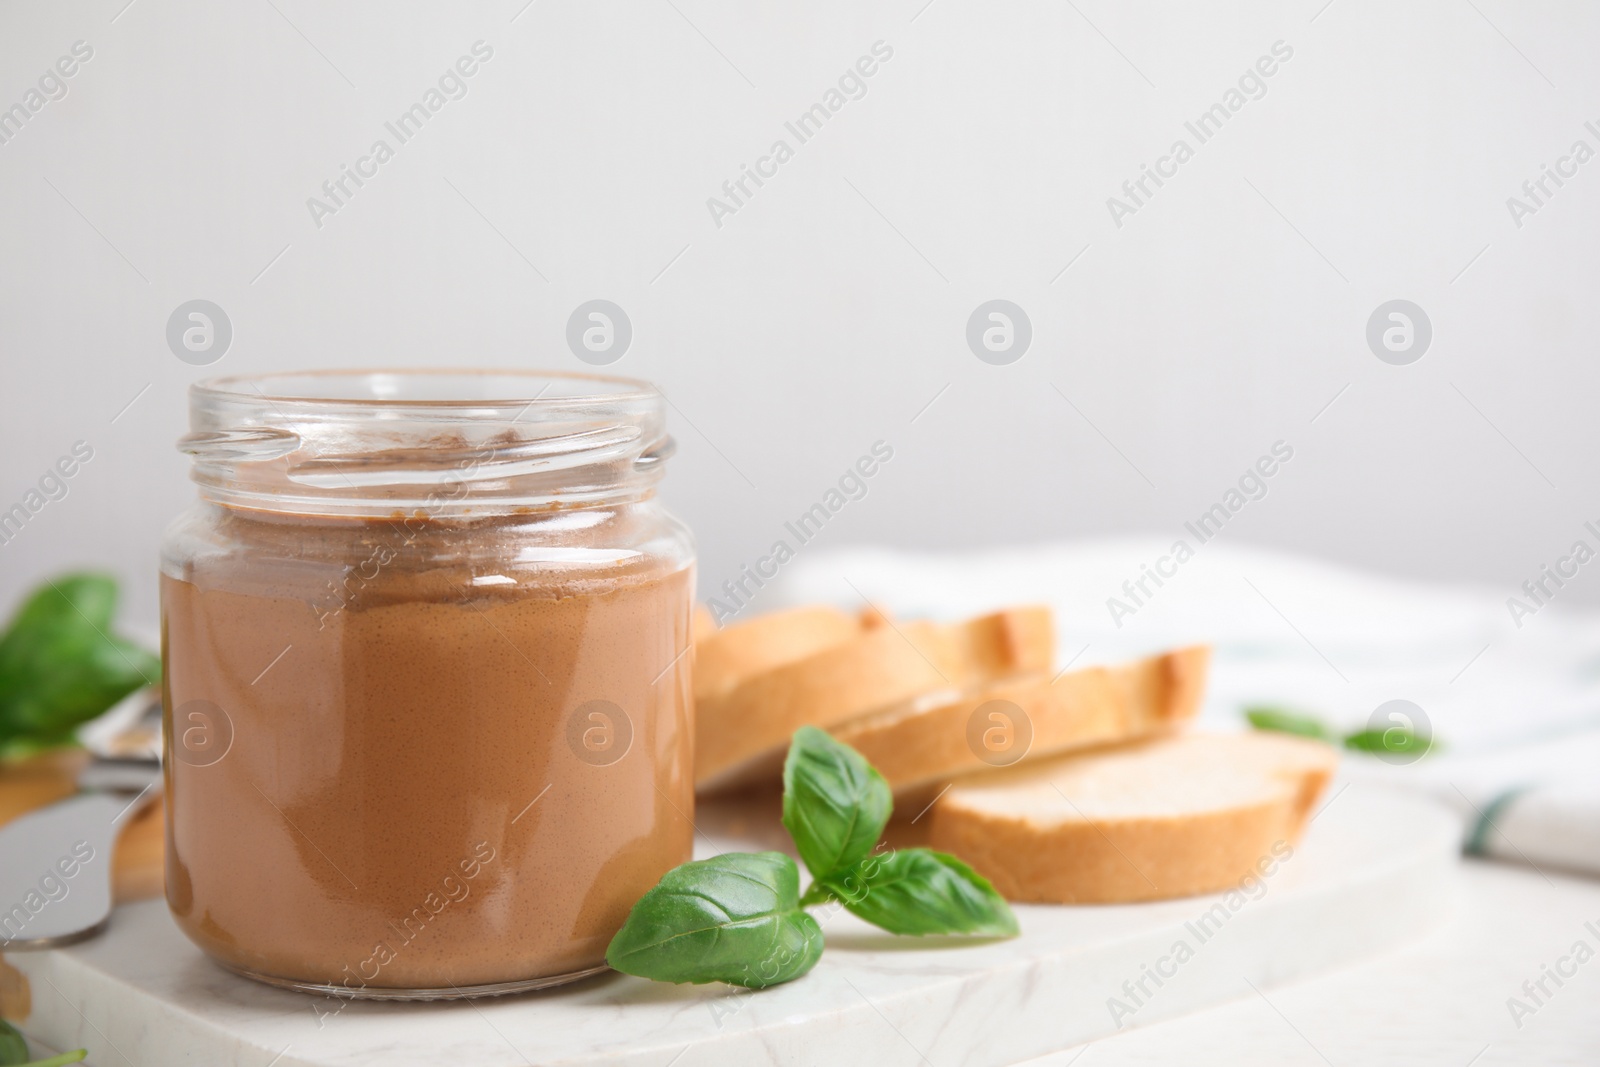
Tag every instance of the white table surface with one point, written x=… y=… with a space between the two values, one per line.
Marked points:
x=1439 y=1000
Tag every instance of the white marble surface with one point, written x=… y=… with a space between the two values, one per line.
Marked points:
x=1377 y=869
x=1439 y=1000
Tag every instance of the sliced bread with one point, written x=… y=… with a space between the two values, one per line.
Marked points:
x=1169 y=817
x=919 y=748
x=741 y=735
x=726 y=657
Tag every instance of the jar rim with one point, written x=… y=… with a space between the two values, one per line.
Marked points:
x=434 y=441
x=383 y=385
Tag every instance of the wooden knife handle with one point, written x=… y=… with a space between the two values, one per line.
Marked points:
x=136 y=865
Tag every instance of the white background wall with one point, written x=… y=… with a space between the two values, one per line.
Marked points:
x=825 y=315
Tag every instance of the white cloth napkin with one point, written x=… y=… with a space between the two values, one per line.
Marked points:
x=1515 y=709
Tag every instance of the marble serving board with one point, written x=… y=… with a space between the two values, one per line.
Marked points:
x=1375 y=869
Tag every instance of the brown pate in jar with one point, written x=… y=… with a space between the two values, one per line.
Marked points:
x=443 y=750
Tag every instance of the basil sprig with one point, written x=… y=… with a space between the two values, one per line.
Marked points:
x=1397 y=740
x=13 y=1047
x=739 y=917
x=735 y=918
x=1282 y=721
x=920 y=891
x=61 y=665
x=14 y=1051
x=835 y=803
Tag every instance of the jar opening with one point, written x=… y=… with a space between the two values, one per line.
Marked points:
x=442 y=388
x=436 y=442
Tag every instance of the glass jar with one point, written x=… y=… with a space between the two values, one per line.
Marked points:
x=428 y=727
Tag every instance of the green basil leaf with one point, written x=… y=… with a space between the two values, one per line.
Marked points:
x=735 y=918
x=920 y=891
x=1288 y=722
x=60 y=666
x=74 y=598
x=1396 y=739
x=835 y=804
x=13 y=1049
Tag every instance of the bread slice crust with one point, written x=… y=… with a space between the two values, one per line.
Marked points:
x=738 y=733
x=1169 y=817
x=727 y=657
x=918 y=749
